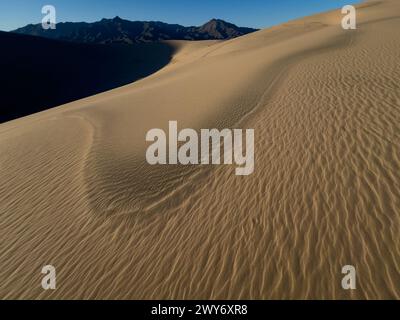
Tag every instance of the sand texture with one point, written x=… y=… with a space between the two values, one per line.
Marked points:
x=77 y=193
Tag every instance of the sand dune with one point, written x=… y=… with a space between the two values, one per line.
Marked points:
x=77 y=193
x=51 y=72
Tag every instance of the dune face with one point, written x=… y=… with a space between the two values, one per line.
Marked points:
x=324 y=103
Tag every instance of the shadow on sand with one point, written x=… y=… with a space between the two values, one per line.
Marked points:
x=37 y=73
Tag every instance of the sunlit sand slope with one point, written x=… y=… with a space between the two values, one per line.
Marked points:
x=77 y=193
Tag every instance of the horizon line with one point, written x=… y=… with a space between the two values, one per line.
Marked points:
x=352 y=2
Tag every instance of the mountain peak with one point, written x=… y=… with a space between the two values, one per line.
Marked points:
x=220 y=29
x=214 y=21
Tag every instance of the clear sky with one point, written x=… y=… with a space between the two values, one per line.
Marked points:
x=245 y=13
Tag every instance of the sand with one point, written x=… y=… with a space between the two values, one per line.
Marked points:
x=77 y=193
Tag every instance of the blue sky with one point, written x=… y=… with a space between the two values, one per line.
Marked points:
x=246 y=13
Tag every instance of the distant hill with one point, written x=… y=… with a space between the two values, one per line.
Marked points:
x=118 y=30
x=38 y=73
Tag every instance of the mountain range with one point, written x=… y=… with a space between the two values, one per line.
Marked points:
x=119 y=30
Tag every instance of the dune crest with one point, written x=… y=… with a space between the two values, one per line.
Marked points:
x=77 y=193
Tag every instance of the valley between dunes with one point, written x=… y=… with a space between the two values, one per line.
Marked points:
x=77 y=193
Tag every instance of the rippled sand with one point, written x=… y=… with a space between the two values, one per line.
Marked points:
x=77 y=193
